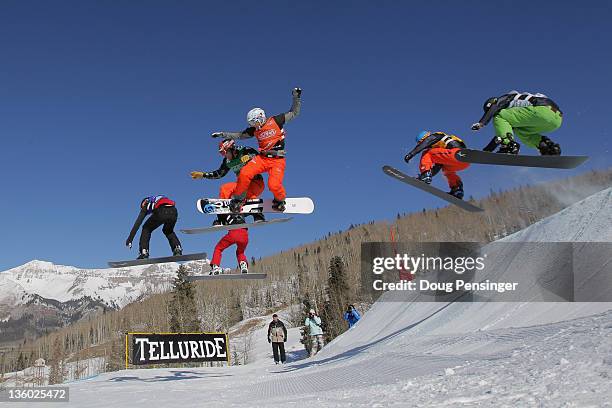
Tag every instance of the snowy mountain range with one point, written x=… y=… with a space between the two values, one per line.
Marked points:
x=58 y=294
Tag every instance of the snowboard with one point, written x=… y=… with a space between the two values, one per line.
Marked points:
x=302 y=205
x=165 y=259
x=227 y=276
x=393 y=172
x=553 y=162
x=235 y=226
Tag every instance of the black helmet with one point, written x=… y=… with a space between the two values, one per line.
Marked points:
x=488 y=103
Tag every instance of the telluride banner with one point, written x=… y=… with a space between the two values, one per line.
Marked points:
x=160 y=348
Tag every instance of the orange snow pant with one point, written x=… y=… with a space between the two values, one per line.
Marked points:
x=256 y=187
x=446 y=159
x=274 y=166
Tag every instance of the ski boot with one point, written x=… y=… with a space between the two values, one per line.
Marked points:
x=215 y=270
x=258 y=217
x=457 y=191
x=244 y=267
x=236 y=204
x=278 y=205
x=425 y=177
x=510 y=148
x=177 y=251
x=144 y=254
x=506 y=145
x=549 y=148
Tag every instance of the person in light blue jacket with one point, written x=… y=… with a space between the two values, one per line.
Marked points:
x=313 y=324
x=351 y=315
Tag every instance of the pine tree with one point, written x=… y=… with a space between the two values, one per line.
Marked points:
x=20 y=362
x=182 y=309
x=337 y=298
x=57 y=373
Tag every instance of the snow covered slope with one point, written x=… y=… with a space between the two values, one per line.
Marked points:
x=419 y=354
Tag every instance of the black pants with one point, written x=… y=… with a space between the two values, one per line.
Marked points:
x=165 y=216
x=276 y=347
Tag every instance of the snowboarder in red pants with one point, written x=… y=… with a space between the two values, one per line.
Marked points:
x=438 y=153
x=238 y=237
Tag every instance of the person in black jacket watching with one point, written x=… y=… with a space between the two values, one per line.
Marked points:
x=277 y=335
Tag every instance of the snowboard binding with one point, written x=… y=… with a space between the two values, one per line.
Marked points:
x=144 y=254
x=549 y=148
x=457 y=191
x=425 y=177
x=278 y=205
x=216 y=270
x=506 y=145
x=236 y=205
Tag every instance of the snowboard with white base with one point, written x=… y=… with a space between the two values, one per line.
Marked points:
x=300 y=205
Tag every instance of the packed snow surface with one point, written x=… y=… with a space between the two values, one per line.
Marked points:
x=416 y=354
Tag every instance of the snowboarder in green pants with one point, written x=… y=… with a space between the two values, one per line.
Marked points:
x=524 y=114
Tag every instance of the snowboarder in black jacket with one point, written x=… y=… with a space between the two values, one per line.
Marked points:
x=163 y=212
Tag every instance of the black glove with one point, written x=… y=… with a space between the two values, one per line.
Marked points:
x=128 y=243
x=477 y=126
x=407 y=158
x=269 y=341
x=297 y=92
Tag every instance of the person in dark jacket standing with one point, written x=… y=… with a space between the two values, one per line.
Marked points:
x=277 y=335
x=162 y=211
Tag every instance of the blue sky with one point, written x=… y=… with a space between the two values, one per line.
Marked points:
x=102 y=103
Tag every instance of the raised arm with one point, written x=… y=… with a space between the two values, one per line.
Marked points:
x=294 y=111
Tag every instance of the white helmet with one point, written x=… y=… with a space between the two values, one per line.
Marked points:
x=256 y=117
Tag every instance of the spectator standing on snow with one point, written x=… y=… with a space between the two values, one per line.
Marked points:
x=277 y=335
x=351 y=315
x=313 y=323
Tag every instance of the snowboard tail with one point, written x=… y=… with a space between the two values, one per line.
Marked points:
x=150 y=261
x=235 y=226
x=393 y=172
x=553 y=162
x=301 y=205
